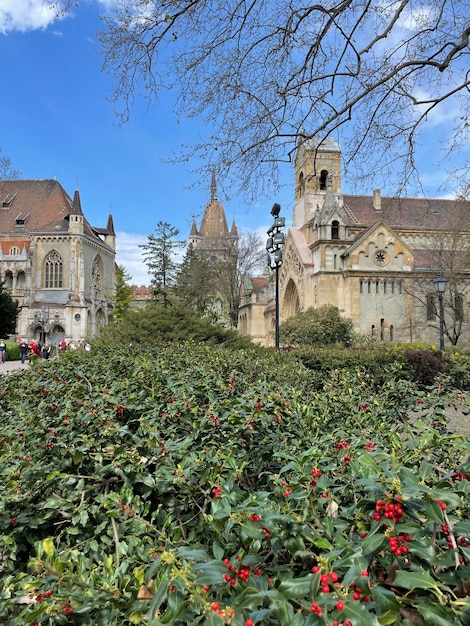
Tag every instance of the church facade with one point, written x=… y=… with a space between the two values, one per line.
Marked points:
x=59 y=268
x=373 y=257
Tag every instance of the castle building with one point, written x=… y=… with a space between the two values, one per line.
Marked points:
x=220 y=245
x=59 y=267
x=373 y=257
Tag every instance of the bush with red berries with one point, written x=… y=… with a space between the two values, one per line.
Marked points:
x=189 y=485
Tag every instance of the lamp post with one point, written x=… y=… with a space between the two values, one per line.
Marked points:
x=274 y=247
x=439 y=287
x=42 y=316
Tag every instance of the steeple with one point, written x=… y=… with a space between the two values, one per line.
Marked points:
x=76 y=215
x=214 y=223
x=110 y=236
x=213 y=188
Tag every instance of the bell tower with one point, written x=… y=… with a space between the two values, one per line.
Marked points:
x=317 y=171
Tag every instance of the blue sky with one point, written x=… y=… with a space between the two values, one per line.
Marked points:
x=56 y=121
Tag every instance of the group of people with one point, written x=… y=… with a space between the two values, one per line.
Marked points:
x=42 y=350
x=34 y=347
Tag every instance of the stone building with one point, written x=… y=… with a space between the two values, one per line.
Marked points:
x=59 y=267
x=373 y=257
x=220 y=246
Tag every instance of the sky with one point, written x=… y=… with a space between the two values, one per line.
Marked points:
x=57 y=121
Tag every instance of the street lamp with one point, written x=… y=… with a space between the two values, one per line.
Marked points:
x=42 y=316
x=439 y=287
x=274 y=247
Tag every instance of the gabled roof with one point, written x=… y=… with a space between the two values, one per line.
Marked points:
x=406 y=213
x=301 y=245
x=43 y=204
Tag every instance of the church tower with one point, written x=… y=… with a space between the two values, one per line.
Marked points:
x=317 y=174
x=214 y=234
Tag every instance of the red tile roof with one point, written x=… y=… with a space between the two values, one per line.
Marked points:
x=407 y=213
x=43 y=204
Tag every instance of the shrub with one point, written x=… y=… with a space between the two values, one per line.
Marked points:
x=156 y=325
x=174 y=485
x=426 y=365
x=323 y=325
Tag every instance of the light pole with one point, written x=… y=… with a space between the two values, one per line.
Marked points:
x=42 y=316
x=274 y=247
x=439 y=287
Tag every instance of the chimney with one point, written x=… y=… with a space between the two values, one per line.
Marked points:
x=376 y=201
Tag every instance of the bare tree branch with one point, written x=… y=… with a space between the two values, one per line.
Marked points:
x=264 y=73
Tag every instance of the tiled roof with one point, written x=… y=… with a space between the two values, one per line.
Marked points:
x=43 y=204
x=407 y=213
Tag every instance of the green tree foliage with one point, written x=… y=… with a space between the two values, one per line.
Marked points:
x=317 y=326
x=123 y=292
x=195 y=282
x=157 y=324
x=159 y=255
x=9 y=311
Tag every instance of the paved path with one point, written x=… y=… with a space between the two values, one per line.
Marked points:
x=11 y=366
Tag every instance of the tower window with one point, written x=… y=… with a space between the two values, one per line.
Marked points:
x=335 y=229
x=323 y=179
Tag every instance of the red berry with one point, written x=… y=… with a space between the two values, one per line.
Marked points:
x=340 y=605
x=215 y=606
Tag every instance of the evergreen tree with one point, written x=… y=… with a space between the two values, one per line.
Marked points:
x=194 y=284
x=123 y=292
x=9 y=311
x=159 y=255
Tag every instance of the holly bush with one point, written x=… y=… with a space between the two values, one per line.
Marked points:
x=191 y=485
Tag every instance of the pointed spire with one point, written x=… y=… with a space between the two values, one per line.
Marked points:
x=213 y=187
x=193 y=232
x=77 y=205
x=110 y=225
x=234 y=229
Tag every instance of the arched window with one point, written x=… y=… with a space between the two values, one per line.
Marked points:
x=335 y=229
x=323 y=179
x=53 y=271
x=14 y=251
x=430 y=307
x=301 y=184
x=458 y=307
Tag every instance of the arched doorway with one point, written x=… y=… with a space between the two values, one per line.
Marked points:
x=291 y=305
x=56 y=334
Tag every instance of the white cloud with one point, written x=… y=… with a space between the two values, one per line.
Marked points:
x=130 y=256
x=24 y=15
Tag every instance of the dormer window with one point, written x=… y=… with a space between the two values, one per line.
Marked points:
x=6 y=202
x=323 y=180
x=14 y=251
x=21 y=219
x=335 y=229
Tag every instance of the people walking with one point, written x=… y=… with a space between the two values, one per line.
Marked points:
x=24 y=347
x=45 y=351
x=3 y=351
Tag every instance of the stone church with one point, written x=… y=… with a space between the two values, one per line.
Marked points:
x=59 y=267
x=220 y=245
x=373 y=257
